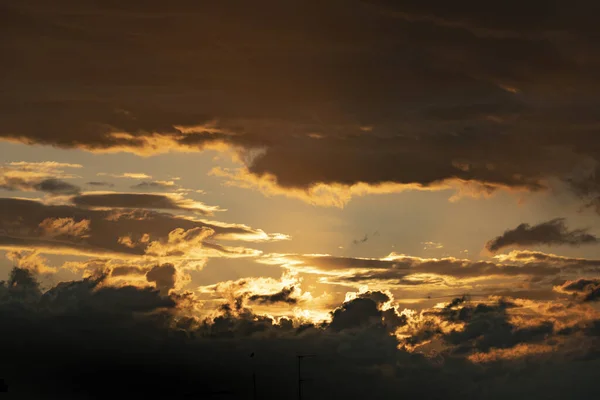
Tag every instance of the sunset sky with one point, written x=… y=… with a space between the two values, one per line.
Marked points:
x=402 y=185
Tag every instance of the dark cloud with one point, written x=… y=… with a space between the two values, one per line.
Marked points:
x=584 y=289
x=97 y=338
x=488 y=326
x=537 y=257
x=365 y=310
x=20 y=227
x=285 y=295
x=141 y=200
x=127 y=270
x=154 y=185
x=553 y=232
x=56 y=186
x=50 y=185
x=365 y=238
x=526 y=74
x=100 y=184
x=399 y=268
x=359 y=241
x=164 y=276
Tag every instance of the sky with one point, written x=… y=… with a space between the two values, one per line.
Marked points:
x=408 y=190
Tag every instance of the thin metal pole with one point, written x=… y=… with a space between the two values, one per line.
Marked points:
x=299 y=378
x=254 y=392
x=254 y=385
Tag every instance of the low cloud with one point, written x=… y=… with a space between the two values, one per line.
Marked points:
x=91 y=328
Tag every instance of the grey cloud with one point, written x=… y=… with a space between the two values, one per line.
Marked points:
x=359 y=241
x=140 y=200
x=127 y=270
x=488 y=327
x=50 y=185
x=56 y=186
x=100 y=183
x=365 y=238
x=153 y=185
x=400 y=268
x=537 y=257
x=365 y=310
x=285 y=295
x=584 y=289
x=550 y=233
x=20 y=220
x=165 y=277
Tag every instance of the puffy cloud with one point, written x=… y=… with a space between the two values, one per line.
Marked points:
x=96 y=327
x=54 y=227
x=164 y=276
x=31 y=261
x=550 y=233
x=488 y=326
x=368 y=340
x=367 y=308
x=192 y=243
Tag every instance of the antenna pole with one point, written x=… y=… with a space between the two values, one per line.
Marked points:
x=300 y=380
x=253 y=362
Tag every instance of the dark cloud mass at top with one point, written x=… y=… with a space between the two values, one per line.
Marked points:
x=553 y=232
x=346 y=92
